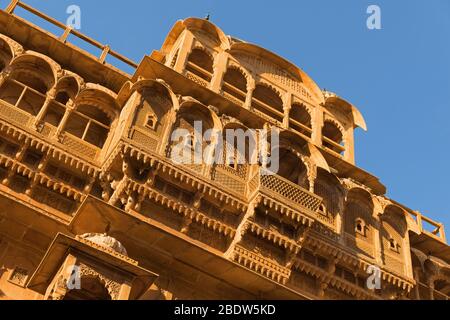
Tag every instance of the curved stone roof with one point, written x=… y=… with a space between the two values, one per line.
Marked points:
x=106 y=242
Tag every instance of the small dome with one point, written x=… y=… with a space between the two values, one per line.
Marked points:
x=105 y=241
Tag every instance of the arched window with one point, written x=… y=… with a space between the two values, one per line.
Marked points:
x=393 y=229
x=360 y=227
x=91 y=289
x=292 y=168
x=5 y=54
x=332 y=137
x=90 y=124
x=327 y=187
x=300 y=120
x=235 y=85
x=26 y=88
x=66 y=90
x=238 y=149
x=268 y=102
x=358 y=213
x=200 y=64
x=188 y=140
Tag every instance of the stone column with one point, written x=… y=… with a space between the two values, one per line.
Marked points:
x=44 y=108
x=317 y=128
x=287 y=105
x=62 y=124
x=349 y=154
x=248 y=99
x=185 y=50
x=220 y=68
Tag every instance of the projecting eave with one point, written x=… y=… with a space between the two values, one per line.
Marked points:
x=345 y=169
x=143 y=236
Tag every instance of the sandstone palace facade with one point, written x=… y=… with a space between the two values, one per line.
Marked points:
x=88 y=187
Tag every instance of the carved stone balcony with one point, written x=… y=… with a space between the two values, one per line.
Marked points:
x=286 y=193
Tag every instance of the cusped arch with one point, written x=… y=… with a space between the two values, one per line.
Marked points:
x=68 y=86
x=234 y=66
x=333 y=136
x=268 y=100
x=236 y=82
x=93 y=287
x=300 y=119
x=303 y=148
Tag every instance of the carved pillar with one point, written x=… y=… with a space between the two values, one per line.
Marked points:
x=250 y=88
x=323 y=285
x=65 y=118
x=184 y=52
x=119 y=185
x=317 y=129
x=5 y=75
x=287 y=105
x=220 y=67
x=416 y=287
x=312 y=176
x=18 y=156
x=44 y=108
x=349 y=154
x=242 y=228
x=377 y=238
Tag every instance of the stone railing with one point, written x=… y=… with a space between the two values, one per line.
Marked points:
x=79 y=146
x=14 y=114
x=279 y=187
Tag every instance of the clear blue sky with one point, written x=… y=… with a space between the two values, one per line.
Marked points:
x=399 y=77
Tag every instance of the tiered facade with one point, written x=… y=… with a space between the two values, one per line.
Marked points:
x=87 y=179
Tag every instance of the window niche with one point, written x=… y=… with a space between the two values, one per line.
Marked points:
x=151 y=121
x=360 y=227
